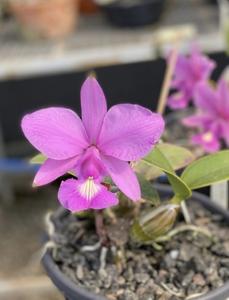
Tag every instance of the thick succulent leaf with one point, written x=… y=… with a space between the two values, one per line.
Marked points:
x=148 y=192
x=207 y=170
x=38 y=159
x=158 y=159
x=177 y=156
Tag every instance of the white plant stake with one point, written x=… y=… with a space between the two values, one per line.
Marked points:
x=219 y=193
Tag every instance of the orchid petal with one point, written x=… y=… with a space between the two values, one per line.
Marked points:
x=179 y=100
x=71 y=197
x=205 y=98
x=52 y=169
x=56 y=132
x=223 y=96
x=201 y=121
x=94 y=107
x=123 y=176
x=129 y=132
x=210 y=145
x=224 y=125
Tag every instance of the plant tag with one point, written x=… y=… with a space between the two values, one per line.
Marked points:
x=219 y=194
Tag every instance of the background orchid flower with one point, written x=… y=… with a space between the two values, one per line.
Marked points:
x=102 y=144
x=212 y=117
x=189 y=71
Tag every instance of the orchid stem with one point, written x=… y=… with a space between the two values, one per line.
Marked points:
x=167 y=82
x=100 y=227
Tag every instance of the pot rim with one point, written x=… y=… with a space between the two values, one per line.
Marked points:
x=60 y=279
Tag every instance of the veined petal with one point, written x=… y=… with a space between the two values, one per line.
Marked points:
x=129 y=132
x=52 y=169
x=94 y=107
x=78 y=195
x=123 y=176
x=56 y=132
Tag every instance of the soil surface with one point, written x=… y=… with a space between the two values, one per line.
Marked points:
x=189 y=265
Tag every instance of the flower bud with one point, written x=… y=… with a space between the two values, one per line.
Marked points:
x=155 y=223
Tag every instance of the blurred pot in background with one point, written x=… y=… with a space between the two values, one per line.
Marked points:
x=87 y=6
x=45 y=18
x=132 y=13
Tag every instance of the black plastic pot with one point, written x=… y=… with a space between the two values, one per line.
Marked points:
x=73 y=292
x=138 y=13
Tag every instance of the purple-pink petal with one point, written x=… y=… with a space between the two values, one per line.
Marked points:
x=205 y=98
x=208 y=141
x=52 y=169
x=199 y=120
x=129 y=132
x=56 y=132
x=93 y=106
x=123 y=176
x=222 y=93
x=178 y=100
x=72 y=199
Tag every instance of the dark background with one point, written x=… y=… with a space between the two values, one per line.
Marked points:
x=134 y=83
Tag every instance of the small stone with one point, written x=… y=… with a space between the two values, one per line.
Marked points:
x=224 y=273
x=79 y=272
x=121 y=280
x=162 y=275
x=198 y=279
x=174 y=254
x=120 y=292
x=111 y=297
x=187 y=279
x=225 y=262
x=142 y=277
x=168 y=261
x=128 y=295
x=220 y=250
x=129 y=274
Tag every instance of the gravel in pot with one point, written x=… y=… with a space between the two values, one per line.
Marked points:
x=190 y=264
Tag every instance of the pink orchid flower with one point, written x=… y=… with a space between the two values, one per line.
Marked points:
x=212 y=118
x=189 y=71
x=100 y=145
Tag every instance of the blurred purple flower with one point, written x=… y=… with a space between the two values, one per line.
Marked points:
x=212 y=116
x=101 y=144
x=189 y=71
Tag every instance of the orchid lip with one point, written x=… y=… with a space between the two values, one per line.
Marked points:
x=89 y=189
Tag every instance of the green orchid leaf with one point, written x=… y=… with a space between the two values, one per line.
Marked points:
x=177 y=156
x=38 y=159
x=207 y=170
x=148 y=192
x=157 y=158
